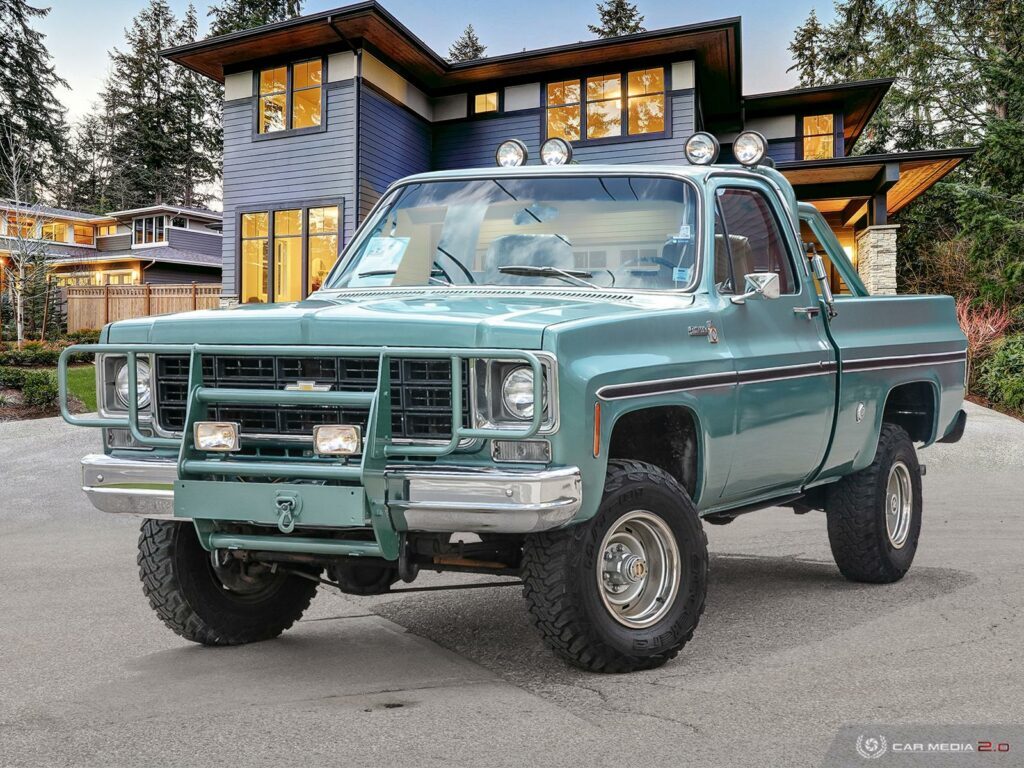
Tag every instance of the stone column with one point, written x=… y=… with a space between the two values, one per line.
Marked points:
x=876 y=258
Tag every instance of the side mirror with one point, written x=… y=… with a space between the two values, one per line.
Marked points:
x=759 y=285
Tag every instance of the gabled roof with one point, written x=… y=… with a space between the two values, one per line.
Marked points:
x=714 y=45
x=857 y=101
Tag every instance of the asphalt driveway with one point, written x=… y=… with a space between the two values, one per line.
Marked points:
x=787 y=651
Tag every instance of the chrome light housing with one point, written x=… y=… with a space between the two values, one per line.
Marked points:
x=504 y=397
x=511 y=153
x=517 y=395
x=556 y=151
x=142 y=384
x=336 y=440
x=218 y=436
x=701 y=149
x=750 y=148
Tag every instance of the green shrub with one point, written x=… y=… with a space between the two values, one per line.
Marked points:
x=1001 y=374
x=12 y=378
x=30 y=357
x=39 y=389
x=82 y=337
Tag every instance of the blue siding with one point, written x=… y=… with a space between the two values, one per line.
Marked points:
x=194 y=240
x=114 y=242
x=393 y=142
x=289 y=169
x=471 y=143
x=179 y=274
x=782 y=150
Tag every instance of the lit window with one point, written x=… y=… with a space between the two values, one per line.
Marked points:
x=255 y=241
x=604 y=106
x=646 y=101
x=85 y=234
x=106 y=230
x=563 y=110
x=20 y=226
x=57 y=231
x=485 y=102
x=818 y=138
x=323 y=244
x=287 y=255
x=299 y=106
x=148 y=230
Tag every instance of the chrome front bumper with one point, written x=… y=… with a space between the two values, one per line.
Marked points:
x=438 y=500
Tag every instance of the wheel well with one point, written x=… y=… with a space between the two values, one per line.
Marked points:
x=912 y=406
x=665 y=437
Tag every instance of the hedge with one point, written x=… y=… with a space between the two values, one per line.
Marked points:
x=1000 y=376
x=12 y=378
x=39 y=389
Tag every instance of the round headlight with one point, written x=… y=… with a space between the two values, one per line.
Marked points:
x=701 y=149
x=555 y=151
x=141 y=384
x=511 y=153
x=750 y=148
x=517 y=393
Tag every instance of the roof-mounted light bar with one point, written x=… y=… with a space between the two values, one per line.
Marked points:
x=701 y=149
x=511 y=153
x=556 y=151
x=750 y=148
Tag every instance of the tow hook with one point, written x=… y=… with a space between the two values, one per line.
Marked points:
x=289 y=505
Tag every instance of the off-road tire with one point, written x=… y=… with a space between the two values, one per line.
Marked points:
x=855 y=508
x=179 y=580
x=562 y=591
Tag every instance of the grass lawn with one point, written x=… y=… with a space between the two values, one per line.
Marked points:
x=82 y=384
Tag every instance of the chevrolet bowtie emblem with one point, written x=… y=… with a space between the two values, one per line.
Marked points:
x=308 y=386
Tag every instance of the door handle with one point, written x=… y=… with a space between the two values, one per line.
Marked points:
x=807 y=312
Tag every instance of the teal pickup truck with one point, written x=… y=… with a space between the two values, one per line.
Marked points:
x=555 y=372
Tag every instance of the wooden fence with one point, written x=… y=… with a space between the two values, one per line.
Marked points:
x=94 y=307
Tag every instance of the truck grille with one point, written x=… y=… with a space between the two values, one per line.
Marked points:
x=421 y=393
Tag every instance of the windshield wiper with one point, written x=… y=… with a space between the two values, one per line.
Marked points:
x=382 y=272
x=569 y=275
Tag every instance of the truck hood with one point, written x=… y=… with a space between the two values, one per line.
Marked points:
x=500 y=318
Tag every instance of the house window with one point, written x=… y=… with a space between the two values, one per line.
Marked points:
x=818 y=138
x=148 y=230
x=179 y=221
x=485 y=102
x=290 y=96
x=57 y=231
x=305 y=243
x=20 y=226
x=323 y=245
x=106 y=230
x=612 y=105
x=85 y=234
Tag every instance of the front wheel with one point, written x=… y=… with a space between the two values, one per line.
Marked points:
x=625 y=590
x=874 y=516
x=215 y=604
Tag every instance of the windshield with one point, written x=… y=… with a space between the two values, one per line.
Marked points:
x=592 y=232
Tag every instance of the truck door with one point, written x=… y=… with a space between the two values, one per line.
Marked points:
x=785 y=364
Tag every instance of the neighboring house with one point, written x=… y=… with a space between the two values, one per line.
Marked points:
x=159 y=244
x=323 y=112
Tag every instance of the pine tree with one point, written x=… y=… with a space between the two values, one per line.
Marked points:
x=85 y=175
x=618 y=17
x=29 y=109
x=806 y=50
x=235 y=15
x=467 y=47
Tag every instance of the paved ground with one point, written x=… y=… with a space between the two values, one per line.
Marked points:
x=787 y=651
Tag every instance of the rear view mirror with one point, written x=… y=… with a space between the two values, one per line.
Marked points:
x=759 y=285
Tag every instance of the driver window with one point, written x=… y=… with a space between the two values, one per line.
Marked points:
x=748 y=240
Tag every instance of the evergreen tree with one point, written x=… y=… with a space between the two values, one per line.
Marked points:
x=467 y=47
x=236 y=15
x=806 y=50
x=84 y=177
x=618 y=17
x=29 y=110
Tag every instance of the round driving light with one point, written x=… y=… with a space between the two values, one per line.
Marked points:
x=511 y=153
x=701 y=149
x=750 y=148
x=517 y=393
x=555 y=151
x=141 y=384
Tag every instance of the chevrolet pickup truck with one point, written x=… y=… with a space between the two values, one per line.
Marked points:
x=555 y=372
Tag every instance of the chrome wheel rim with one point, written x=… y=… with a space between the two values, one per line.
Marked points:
x=638 y=569
x=899 y=504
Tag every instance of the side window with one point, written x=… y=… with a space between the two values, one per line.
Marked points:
x=748 y=240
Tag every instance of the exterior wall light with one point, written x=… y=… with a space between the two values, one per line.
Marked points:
x=511 y=153
x=701 y=149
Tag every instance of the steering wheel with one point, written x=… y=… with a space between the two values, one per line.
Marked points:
x=462 y=268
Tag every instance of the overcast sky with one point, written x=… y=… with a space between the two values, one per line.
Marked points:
x=81 y=32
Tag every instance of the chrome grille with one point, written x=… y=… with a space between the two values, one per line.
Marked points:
x=421 y=393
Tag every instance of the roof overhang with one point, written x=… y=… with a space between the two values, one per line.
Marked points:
x=841 y=187
x=714 y=46
x=857 y=101
x=174 y=210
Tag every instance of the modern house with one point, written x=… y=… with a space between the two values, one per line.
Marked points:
x=160 y=244
x=324 y=111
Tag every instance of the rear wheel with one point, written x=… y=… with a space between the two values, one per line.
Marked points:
x=625 y=590
x=212 y=603
x=874 y=516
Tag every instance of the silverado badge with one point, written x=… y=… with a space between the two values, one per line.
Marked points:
x=708 y=330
